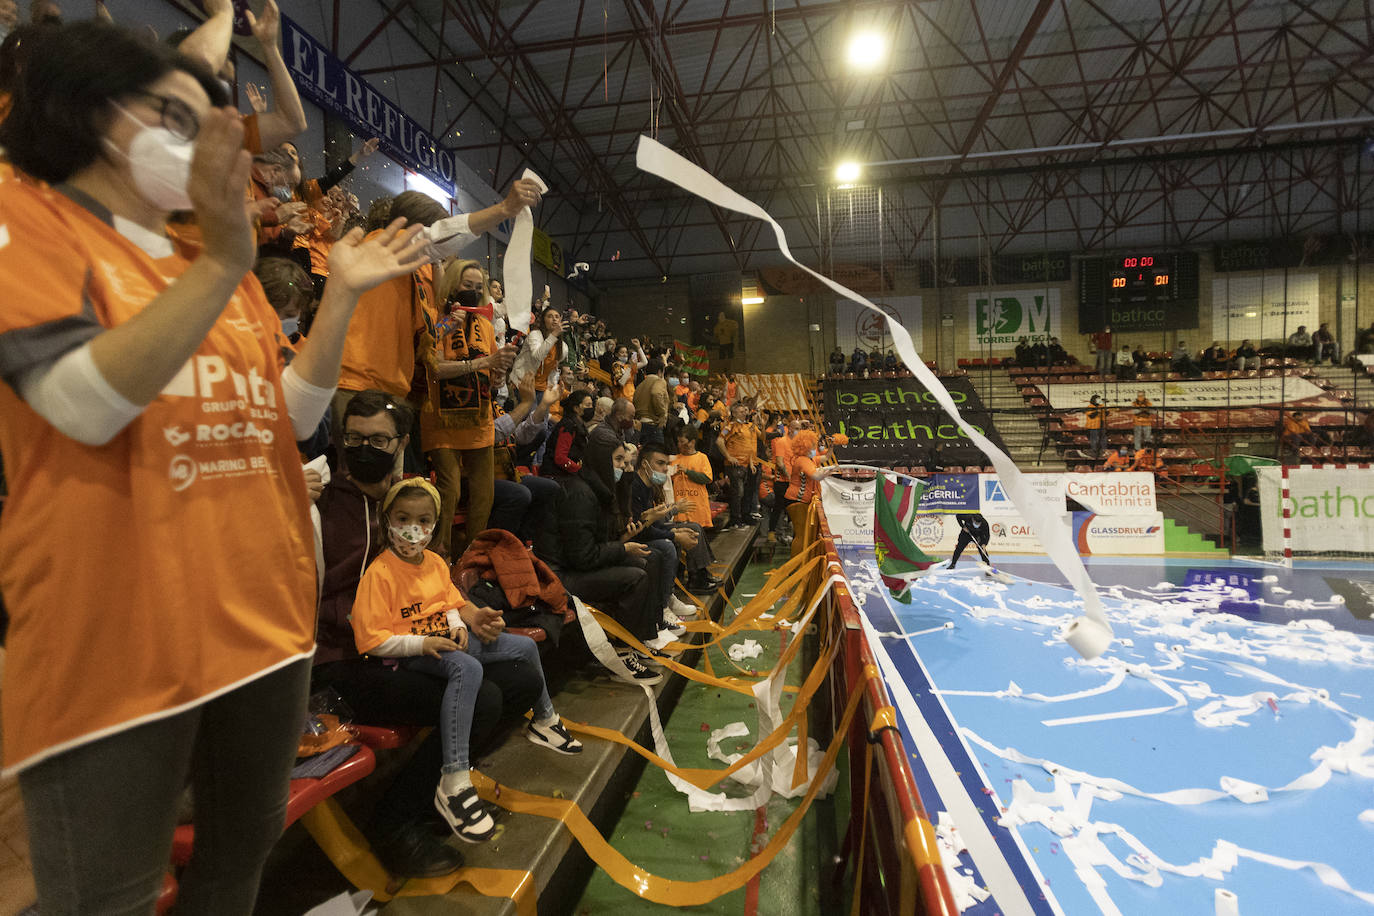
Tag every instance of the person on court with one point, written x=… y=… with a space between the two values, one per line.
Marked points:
x=973 y=529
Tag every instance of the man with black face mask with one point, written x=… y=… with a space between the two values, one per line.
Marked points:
x=376 y=427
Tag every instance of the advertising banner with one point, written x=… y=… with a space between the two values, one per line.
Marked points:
x=848 y=508
x=897 y=422
x=1191 y=395
x=939 y=534
x=998 y=320
x=1263 y=306
x=1118 y=535
x=1332 y=510
x=856 y=326
x=1123 y=493
x=950 y=493
x=546 y=251
x=1220 y=403
x=325 y=80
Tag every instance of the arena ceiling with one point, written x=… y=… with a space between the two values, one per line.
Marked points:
x=1075 y=124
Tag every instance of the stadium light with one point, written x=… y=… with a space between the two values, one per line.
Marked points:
x=866 y=50
x=751 y=300
x=848 y=172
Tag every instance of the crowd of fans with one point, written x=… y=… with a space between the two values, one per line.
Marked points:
x=205 y=349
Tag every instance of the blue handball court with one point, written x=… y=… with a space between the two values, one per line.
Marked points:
x=1218 y=758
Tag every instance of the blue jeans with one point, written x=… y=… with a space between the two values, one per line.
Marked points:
x=463 y=671
x=665 y=555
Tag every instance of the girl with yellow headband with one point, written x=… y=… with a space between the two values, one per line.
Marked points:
x=408 y=609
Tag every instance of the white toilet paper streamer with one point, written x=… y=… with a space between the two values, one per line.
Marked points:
x=519 y=285
x=770 y=773
x=655 y=158
x=1068 y=816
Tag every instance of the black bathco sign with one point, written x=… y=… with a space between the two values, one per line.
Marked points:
x=898 y=422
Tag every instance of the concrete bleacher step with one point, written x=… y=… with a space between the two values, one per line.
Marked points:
x=598 y=780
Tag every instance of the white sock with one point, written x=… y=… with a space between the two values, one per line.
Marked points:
x=453 y=783
x=551 y=720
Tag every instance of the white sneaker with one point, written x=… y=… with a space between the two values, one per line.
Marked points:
x=685 y=610
x=671 y=619
x=663 y=638
x=639 y=672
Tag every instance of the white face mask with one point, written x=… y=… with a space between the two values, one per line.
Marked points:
x=160 y=164
x=409 y=540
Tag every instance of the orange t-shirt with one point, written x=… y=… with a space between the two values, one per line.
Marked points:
x=731 y=392
x=741 y=441
x=379 y=351
x=1116 y=462
x=683 y=488
x=781 y=449
x=396 y=598
x=457 y=412
x=626 y=390
x=173 y=563
x=802 y=487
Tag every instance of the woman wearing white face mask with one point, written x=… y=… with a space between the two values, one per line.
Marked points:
x=146 y=407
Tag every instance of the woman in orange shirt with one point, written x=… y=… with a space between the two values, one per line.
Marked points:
x=805 y=472
x=157 y=556
x=691 y=477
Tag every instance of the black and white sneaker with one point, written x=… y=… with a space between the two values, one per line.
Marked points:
x=555 y=737
x=639 y=672
x=466 y=815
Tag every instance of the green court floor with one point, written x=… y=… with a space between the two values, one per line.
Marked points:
x=659 y=834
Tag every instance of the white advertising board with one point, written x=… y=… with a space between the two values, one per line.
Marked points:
x=848 y=508
x=998 y=319
x=1119 y=535
x=1123 y=493
x=1202 y=394
x=1263 y=306
x=1333 y=509
x=858 y=326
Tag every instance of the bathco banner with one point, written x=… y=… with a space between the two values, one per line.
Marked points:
x=323 y=79
x=896 y=422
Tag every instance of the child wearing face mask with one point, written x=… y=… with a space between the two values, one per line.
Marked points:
x=408 y=609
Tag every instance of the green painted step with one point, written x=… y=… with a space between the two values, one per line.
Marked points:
x=1180 y=539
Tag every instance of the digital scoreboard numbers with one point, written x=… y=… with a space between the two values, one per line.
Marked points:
x=1138 y=291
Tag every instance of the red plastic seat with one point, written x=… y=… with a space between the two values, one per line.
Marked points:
x=304 y=795
x=378 y=737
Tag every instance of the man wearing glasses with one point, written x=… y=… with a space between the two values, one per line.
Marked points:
x=376 y=430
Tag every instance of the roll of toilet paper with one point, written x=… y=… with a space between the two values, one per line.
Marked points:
x=1088 y=637
x=1227 y=903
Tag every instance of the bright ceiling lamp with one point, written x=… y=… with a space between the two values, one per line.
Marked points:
x=848 y=172
x=751 y=300
x=417 y=182
x=866 y=50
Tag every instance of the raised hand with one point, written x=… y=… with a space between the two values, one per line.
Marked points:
x=255 y=98
x=360 y=264
x=267 y=28
x=524 y=192
x=219 y=171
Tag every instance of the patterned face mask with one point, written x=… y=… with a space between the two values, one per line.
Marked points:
x=409 y=540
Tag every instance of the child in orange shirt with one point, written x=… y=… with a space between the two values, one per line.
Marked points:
x=408 y=608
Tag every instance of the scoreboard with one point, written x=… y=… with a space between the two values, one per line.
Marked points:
x=1140 y=290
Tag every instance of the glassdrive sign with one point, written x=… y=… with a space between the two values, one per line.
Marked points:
x=897 y=422
x=999 y=319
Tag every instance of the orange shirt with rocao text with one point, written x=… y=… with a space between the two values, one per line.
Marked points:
x=173 y=563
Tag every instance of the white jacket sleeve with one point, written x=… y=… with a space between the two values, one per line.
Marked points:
x=72 y=395
x=448 y=236
x=305 y=403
